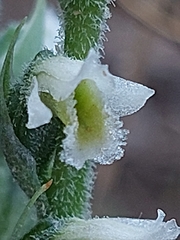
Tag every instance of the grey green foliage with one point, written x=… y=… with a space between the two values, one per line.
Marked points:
x=14 y=150
x=6 y=202
x=5 y=38
x=19 y=159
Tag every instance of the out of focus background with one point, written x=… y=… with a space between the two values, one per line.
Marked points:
x=144 y=46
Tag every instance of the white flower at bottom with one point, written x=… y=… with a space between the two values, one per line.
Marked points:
x=120 y=229
x=89 y=101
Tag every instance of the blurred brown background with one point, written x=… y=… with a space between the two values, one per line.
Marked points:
x=144 y=46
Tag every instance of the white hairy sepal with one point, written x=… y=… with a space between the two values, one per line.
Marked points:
x=38 y=113
x=120 y=229
x=61 y=77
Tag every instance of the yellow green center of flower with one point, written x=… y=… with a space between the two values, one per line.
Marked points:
x=90 y=112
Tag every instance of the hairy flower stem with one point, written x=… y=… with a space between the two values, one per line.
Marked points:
x=84 y=22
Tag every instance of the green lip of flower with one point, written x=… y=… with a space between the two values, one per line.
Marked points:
x=89 y=101
x=89 y=108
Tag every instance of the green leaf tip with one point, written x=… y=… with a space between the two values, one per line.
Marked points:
x=6 y=69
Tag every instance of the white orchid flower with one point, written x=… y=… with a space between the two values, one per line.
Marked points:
x=89 y=100
x=120 y=229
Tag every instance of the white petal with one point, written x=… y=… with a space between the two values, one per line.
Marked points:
x=121 y=229
x=128 y=97
x=57 y=75
x=112 y=149
x=38 y=113
x=92 y=69
x=60 y=76
x=122 y=96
